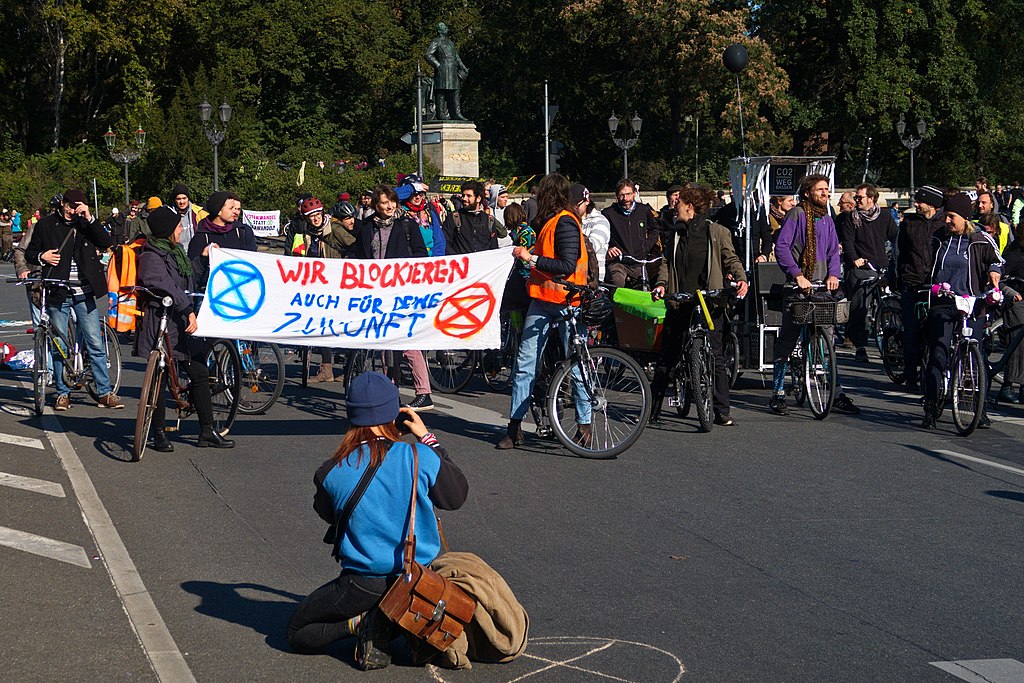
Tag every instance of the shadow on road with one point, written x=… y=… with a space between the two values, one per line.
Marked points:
x=226 y=601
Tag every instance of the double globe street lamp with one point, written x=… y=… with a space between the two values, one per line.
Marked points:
x=214 y=133
x=911 y=143
x=126 y=154
x=624 y=144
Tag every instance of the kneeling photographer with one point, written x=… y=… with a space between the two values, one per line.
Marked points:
x=363 y=492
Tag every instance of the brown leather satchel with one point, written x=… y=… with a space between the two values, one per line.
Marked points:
x=424 y=603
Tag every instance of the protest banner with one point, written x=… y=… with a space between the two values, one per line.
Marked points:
x=263 y=223
x=438 y=303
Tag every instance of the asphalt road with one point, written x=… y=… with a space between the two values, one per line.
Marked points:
x=781 y=549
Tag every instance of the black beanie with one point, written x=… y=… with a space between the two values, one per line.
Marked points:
x=960 y=204
x=929 y=194
x=181 y=188
x=215 y=203
x=162 y=222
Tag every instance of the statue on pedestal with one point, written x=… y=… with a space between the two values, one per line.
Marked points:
x=449 y=71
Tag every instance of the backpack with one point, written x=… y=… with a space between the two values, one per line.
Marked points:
x=593 y=267
x=491 y=232
x=122 y=309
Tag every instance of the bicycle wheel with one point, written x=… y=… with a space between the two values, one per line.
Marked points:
x=450 y=371
x=619 y=396
x=498 y=365
x=225 y=370
x=890 y=319
x=41 y=363
x=304 y=360
x=968 y=384
x=684 y=397
x=892 y=356
x=149 y=398
x=262 y=376
x=797 y=374
x=731 y=351
x=702 y=368
x=112 y=348
x=820 y=379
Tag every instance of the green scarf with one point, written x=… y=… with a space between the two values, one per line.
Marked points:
x=175 y=250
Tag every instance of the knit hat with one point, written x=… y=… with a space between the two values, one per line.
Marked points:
x=673 y=189
x=371 y=399
x=960 y=204
x=310 y=206
x=114 y=211
x=344 y=197
x=153 y=203
x=162 y=221
x=578 y=193
x=181 y=188
x=74 y=197
x=930 y=195
x=215 y=203
x=133 y=204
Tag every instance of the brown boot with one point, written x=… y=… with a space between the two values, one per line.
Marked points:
x=513 y=436
x=326 y=374
x=584 y=435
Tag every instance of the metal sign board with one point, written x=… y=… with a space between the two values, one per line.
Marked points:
x=785 y=179
x=428 y=138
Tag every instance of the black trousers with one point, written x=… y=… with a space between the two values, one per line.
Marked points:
x=320 y=618
x=674 y=335
x=199 y=393
x=856 y=327
x=942 y=320
x=909 y=297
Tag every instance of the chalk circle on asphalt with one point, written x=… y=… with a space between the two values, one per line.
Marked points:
x=236 y=290
x=581 y=658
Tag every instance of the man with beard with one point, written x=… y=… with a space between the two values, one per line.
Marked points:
x=471 y=228
x=807 y=225
x=1000 y=233
x=634 y=234
x=863 y=233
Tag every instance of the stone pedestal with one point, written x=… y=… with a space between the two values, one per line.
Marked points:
x=458 y=153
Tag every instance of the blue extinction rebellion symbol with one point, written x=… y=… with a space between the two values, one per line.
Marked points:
x=236 y=290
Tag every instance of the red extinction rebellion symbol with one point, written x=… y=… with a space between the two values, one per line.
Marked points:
x=466 y=312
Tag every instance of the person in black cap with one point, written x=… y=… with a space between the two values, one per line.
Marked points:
x=668 y=212
x=914 y=253
x=967 y=263
x=65 y=244
x=221 y=228
x=165 y=269
x=189 y=212
x=365 y=543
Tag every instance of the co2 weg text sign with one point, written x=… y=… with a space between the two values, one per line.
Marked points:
x=448 y=302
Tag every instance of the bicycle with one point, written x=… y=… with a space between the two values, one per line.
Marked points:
x=451 y=371
x=77 y=367
x=225 y=368
x=643 y=282
x=695 y=371
x=883 y=308
x=813 y=362
x=966 y=376
x=263 y=376
x=610 y=381
x=998 y=338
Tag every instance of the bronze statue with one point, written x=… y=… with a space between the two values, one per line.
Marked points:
x=448 y=72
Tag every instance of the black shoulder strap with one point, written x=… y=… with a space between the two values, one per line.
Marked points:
x=350 y=505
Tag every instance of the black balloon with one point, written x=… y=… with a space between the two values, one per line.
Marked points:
x=735 y=58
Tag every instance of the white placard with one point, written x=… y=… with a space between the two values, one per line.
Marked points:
x=263 y=223
x=434 y=303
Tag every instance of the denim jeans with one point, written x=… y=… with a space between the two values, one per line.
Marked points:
x=539 y=319
x=87 y=317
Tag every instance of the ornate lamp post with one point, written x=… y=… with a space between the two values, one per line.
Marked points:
x=125 y=154
x=215 y=133
x=623 y=144
x=911 y=143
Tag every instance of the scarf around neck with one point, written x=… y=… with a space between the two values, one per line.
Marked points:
x=175 y=250
x=809 y=259
x=209 y=226
x=858 y=216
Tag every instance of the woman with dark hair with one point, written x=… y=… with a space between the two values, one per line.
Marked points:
x=368 y=543
x=558 y=253
x=516 y=299
x=698 y=255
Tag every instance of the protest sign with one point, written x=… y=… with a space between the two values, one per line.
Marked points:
x=263 y=223
x=438 y=303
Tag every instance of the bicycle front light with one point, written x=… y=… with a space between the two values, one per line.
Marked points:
x=167 y=302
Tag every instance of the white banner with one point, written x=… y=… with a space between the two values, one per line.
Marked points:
x=263 y=223
x=445 y=302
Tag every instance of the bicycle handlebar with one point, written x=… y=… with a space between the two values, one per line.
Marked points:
x=641 y=262
x=67 y=284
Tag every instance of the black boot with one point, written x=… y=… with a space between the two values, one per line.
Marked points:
x=161 y=443
x=513 y=436
x=208 y=437
x=929 y=415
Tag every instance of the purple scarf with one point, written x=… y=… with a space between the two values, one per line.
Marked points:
x=207 y=225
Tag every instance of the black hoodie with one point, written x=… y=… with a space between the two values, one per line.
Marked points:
x=915 y=250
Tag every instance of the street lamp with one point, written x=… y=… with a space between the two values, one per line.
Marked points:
x=911 y=143
x=214 y=133
x=623 y=144
x=125 y=154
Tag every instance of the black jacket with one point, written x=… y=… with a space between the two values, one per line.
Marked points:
x=50 y=232
x=240 y=236
x=405 y=241
x=636 y=234
x=474 y=232
x=868 y=241
x=915 y=249
x=157 y=271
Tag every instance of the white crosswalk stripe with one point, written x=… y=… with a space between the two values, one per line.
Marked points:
x=21 y=441
x=45 y=547
x=49 y=488
x=984 y=670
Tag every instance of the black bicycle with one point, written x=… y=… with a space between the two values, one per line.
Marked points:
x=812 y=365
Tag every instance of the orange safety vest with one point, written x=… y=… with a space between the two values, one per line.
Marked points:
x=540 y=284
x=122 y=309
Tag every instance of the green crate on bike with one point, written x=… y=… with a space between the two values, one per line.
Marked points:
x=638 y=320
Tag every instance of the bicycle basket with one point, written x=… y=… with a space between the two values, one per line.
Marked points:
x=820 y=312
x=596 y=310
